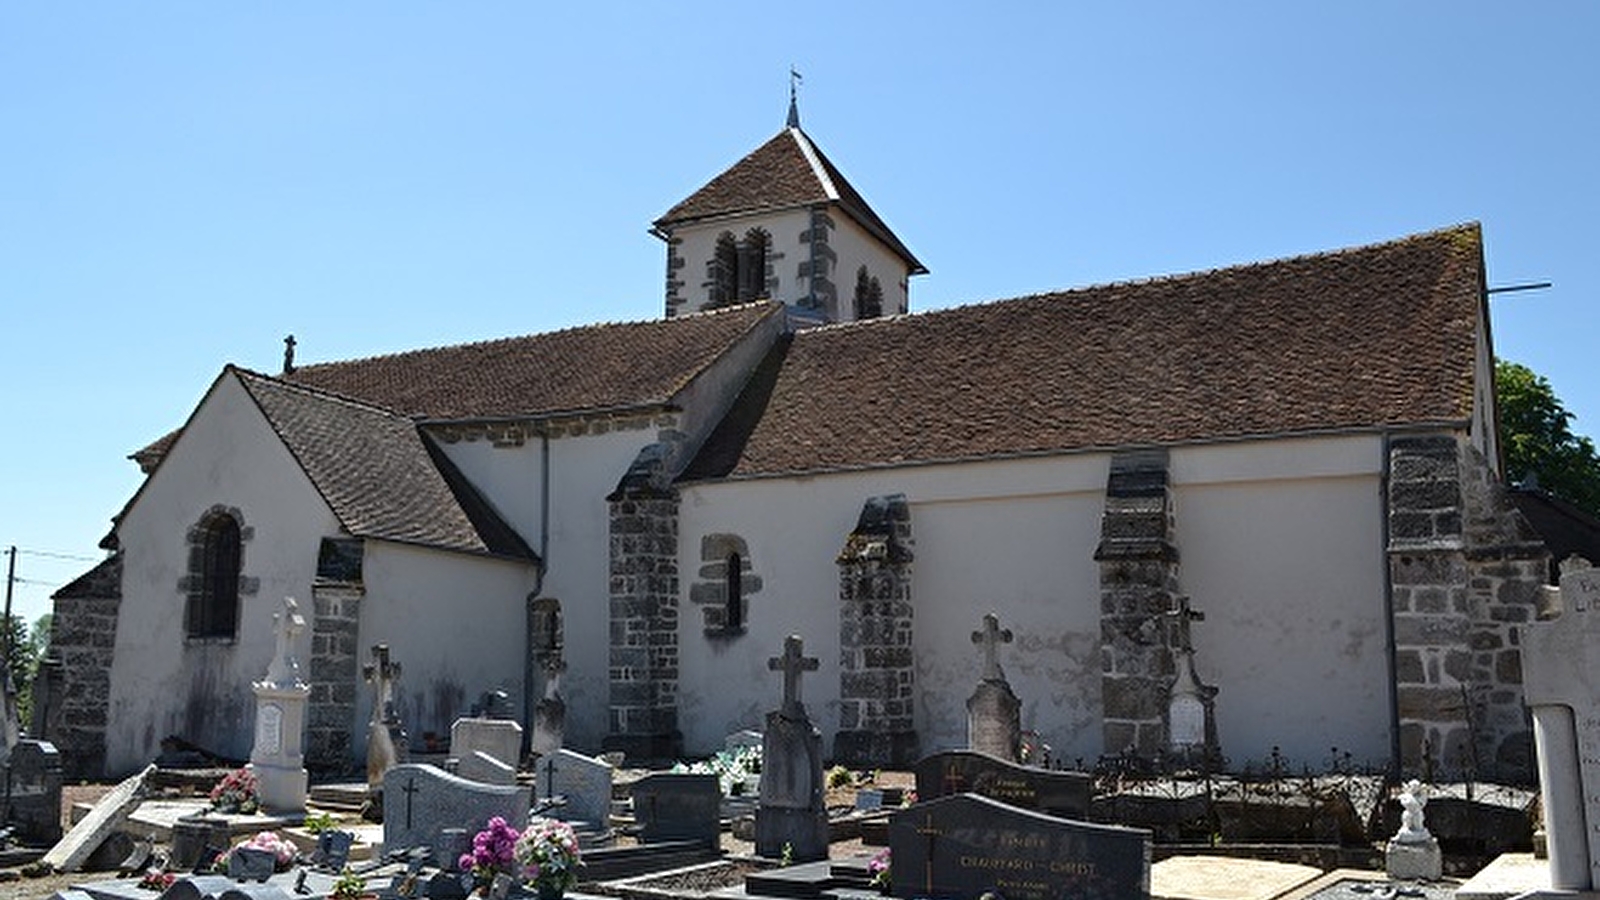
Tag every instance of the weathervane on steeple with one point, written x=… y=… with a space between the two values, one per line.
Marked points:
x=794 y=105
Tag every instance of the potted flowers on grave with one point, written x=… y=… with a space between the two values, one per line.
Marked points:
x=878 y=868
x=282 y=849
x=548 y=854
x=237 y=792
x=493 y=854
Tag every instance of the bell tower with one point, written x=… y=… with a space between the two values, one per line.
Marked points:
x=783 y=224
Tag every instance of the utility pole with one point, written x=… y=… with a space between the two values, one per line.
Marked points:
x=11 y=579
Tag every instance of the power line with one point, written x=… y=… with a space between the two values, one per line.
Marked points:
x=53 y=555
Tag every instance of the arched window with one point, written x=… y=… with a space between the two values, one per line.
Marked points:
x=214 y=579
x=753 y=265
x=869 y=295
x=724 y=271
x=735 y=608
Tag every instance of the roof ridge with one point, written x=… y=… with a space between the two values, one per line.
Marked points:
x=319 y=392
x=1459 y=228
x=818 y=171
x=487 y=342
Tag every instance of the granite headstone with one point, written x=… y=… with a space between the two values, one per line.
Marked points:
x=965 y=846
x=1063 y=794
x=584 y=781
x=420 y=802
x=678 y=806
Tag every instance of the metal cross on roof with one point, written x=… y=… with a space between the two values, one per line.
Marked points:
x=792 y=663
x=991 y=637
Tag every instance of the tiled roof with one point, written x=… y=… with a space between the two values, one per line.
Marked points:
x=787 y=171
x=587 y=368
x=1375 y=336
x=380 y=476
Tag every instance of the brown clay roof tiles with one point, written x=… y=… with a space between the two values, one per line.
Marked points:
x=1375 y=336
x=787 y=171
x=378 y=473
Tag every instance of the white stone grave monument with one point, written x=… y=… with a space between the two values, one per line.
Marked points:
x=1561 y=685
x=277 y=757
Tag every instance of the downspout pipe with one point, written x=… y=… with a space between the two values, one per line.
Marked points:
x=1391 y=645
x=529 y=675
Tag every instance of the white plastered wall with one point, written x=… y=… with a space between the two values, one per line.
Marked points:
x=162 y=684
x=857 y=248
x=1281 y=545
x=699 y=242
x=1282 y=548
x=456 y=624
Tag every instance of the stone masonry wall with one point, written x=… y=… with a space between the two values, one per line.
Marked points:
x=877 y=668
x=1465 y=571
x=335 y=677
x=1138 y=589
x=643 y=671
x=83 y=635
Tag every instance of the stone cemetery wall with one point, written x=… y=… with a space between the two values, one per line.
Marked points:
x=1466 y=570
x=83 y=636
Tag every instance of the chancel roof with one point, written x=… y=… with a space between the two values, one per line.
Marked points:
x=1376 y=336
x=786 y=172
x=378 y=473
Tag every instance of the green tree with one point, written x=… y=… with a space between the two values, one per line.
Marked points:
x=1537 y=442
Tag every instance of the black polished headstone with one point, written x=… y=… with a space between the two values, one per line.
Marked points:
x=964 y=846
x=250 y=864
x=1063 y=794
x=333 y=849
x=675 y=806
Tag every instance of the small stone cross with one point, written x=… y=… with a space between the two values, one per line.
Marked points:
x=1181 y=618
x=792 y=663
x=410 y=789
x=550 y=776
x=991 y=637
x=381 y=673
x=285 y=668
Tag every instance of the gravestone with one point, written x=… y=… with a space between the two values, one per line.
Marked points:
x=550 y=713
x=386 y=737
x=33 y=789
x=1561 y=685
x=251 y=864
x=1063 y=794
x=420 y=802
x=792 y=820
x=584 y=781
x=276 y=757
x=678 y=806
x=193 y=837
x=1191 y=705
x=739 y=740
x=994 y=714
x=964 y=846
x=500 y=738
x=480 y=766
x=1413 y=853
x=75 y=846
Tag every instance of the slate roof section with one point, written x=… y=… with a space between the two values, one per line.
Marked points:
x=593 y=367
x=379 y=474
x=1565 y=528
x=786 y=172
x=1383 y=335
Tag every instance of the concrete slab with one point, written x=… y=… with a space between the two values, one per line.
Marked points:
x=367 y=835
x=1510 y=875
x=1225 y=878
x=157 y=817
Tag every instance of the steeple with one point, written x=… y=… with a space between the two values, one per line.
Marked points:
x=794 y=105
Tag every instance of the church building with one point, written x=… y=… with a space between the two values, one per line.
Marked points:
x=1276 y=486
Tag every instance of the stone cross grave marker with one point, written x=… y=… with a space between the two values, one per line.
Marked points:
x=966 y=846
x=994 y=714
x=792 y=818
x=991 y=637
x=385 y=737
x=792 y=663
x=1561 y=685
x=584 y=781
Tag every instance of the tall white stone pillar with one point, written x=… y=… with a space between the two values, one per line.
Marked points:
x=277 y=759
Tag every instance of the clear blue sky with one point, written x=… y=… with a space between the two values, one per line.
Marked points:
x=182 y=184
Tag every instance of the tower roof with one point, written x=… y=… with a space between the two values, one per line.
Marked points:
x=786 y=172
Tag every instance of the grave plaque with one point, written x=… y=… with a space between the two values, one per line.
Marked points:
x=250 y=864
x=963 y=771
x=333 y=849
x=1561 y=685
x=965 y=846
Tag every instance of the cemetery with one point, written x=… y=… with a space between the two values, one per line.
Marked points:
x=768 y=817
